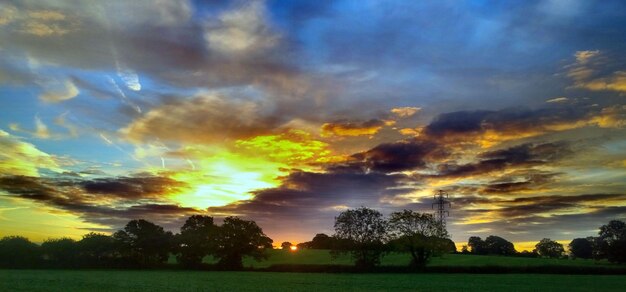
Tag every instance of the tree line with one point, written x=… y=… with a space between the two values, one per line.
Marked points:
x=143 y=244
x=610 y=244
x=363 y=233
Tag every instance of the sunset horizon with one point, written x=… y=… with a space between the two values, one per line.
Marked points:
x=288 y=113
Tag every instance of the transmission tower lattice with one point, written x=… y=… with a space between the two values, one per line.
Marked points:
x=441 y=201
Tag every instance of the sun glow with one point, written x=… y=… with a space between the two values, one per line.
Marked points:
x=219 y=181
x=226 y=175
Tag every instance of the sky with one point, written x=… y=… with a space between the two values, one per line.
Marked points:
x=289 y=112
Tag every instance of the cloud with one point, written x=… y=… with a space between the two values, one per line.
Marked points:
x=404 y=112
x=557 y=100
x=294 y=148
x=396 y=156
x=592 y=71
x=59 y=92
x=203 y=119
x=133 y=187
x=42 y=131
x=531 y=180
x=349 y=128
x=110 y=201
x=583 y=57
x=490 y=128
x=241 y=30
x=8 y=13
x=22 y=158
x=524 y=155
x=36 y=22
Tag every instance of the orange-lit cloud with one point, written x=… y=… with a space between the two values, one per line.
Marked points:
x=589 y=73
x=349 y=128
x=404 y=112
x=202 y=119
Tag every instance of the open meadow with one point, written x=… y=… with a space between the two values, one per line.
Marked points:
x=100 y=280
x=323 y=257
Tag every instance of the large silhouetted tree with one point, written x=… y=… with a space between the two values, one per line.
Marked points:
x=581 y=248
x=612 y=241
x=286 y=245
x=499 y=246
x=237 y=238
x=197 y=239
x=97 y=250
x=549 y=248
x=18 y=252
x=363 y=232
x=491 y=245
x=477 y=245
x=61 y=252
x=319 y=241
x=144 y=242
x=419 y=234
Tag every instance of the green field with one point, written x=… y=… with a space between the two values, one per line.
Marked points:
x=322 y=257
x=178 y=280
x=62 y=280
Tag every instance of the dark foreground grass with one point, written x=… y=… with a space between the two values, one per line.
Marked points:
x=99 y=280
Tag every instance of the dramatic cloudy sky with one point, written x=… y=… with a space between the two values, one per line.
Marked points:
x=288 y=112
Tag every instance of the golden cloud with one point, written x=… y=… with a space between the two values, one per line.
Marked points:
x=588 y=74
x=202 y=119
x=404 y=112
x=21 y=158
x=348 y=128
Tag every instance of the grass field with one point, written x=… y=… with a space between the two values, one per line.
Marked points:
x=322 y=257
x=65 y=280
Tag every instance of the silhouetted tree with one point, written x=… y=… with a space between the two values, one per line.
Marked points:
x=286 y=245
x=417 y=234
x=18 y=252
x=237 y=238
x=499 y=246
x=319 y=241
x=581 y=248
x=97 y=250
x=612 y=241
x=362 y=233
x=464 y=249
x=528 y=254
x=477 y=245
x=61 y=252
x=144 y=242
x=197 y=239
x=448 y=246
x=549 y=248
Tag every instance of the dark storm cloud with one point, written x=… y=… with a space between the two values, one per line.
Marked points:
x=530 y=182
x=111 y=201
x=463 y=124
x=132 y=187
x=398 y=156
x=557 y=217
x=528 y=207
x=524 y=155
